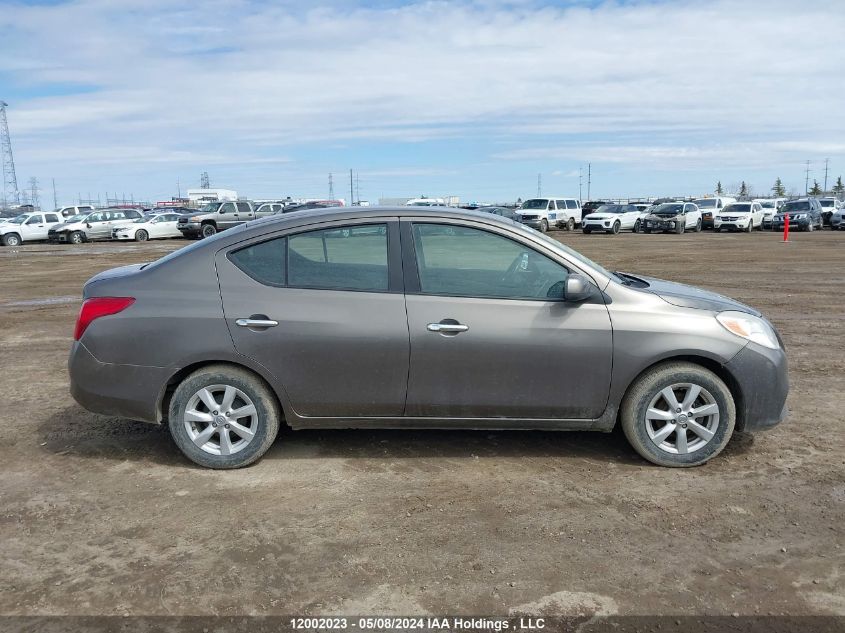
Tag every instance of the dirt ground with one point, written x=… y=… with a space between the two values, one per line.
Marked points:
x=101 y=515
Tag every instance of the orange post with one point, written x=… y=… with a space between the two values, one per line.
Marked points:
x=786 y=228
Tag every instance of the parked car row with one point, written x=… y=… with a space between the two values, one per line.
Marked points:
x=677 y=216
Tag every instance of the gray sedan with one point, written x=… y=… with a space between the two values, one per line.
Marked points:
x=417 y=318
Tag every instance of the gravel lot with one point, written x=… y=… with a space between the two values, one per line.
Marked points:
x=103 y=516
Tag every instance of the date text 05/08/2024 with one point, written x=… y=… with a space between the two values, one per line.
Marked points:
x=417 y=623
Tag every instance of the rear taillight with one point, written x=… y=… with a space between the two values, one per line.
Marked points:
x=97 y=307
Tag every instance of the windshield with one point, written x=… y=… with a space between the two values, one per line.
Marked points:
x=797 y=205
x=536 y=203
x=141 y=220
x=768 y=204
x=211 y=207
x=669 y=209
x=76 y=218
x=826 y=203
x=18 y=219
x=706 y=203
x=737 y=208
x=611 y=208
x=574 y=254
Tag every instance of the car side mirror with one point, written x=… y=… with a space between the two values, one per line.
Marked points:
x=577 y=288
x=87 y=225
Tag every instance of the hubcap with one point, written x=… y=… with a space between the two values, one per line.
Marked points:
x=221 y=419
x=682 y=418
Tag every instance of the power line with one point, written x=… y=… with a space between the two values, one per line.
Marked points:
x=10 y=180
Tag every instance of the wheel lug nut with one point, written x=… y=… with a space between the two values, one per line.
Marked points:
x=678 y=409
x=216 y=412
x=214 y=424
x=227 y=426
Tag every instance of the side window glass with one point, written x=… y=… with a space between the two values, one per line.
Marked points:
x=229 y=207
x=52 y=217
x=345 y=258
x=243 y=207
x=571 y=204
x=551 y=205
x=468 y=262
x=561 y=204
x=35 y=219
x=264 y=262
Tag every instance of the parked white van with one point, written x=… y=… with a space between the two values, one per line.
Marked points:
x=710 y=207
x=544 y=213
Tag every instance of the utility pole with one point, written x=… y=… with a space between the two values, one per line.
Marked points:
x=331 y=187
x=539 y=185
x=10 y=180
x=351 y=191
x=826 y=161
x=357 y=188
x=807 y=178
x=178 y=189
x=55 y=199
x=589 y=178
x=580 y=178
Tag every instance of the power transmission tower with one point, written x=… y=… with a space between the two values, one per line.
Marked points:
x=807 y=178
x=589 y=178
x=33 y=192
x=539 y=185
x=331 y=187
x=826 y=162
x=10 y=180
x=580 y=179
x=204 y=184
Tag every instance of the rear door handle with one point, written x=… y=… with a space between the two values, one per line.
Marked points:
x=256 y=323
x=447 y=328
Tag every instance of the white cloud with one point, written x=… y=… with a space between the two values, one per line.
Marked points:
x=700 y=84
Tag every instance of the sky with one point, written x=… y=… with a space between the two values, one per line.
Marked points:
x=466 y=98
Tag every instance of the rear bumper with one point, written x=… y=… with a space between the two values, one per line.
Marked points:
x=130 y=391
x=762 y=375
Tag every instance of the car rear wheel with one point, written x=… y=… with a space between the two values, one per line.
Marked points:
x=208 y=230
x=678 y=414
x=11 y=239
x=223 y=417
x=76 y=237
x=570 y=224
x=141 y=235
x=544 y=226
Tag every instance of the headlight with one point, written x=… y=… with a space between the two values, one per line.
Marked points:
x=800 y=216
x=749 y=327
x=196 y=219
x=672 y=224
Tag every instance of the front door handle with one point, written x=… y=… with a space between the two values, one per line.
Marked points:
x=256 y=323
x=447 y=328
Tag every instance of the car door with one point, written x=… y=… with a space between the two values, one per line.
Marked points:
x=168 y=226
x=491 y=336
x=691 y=216
x=101 y=225
x=34 y=228
x=245 y=212
x=227 y=216
x=337 y=340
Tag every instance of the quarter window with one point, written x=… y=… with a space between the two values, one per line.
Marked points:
x=52 y=217
x=264 y=262
x=468 y=262
x=571 y=204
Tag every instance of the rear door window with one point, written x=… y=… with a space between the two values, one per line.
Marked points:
x=342 y=258
x=243 y=207
x=264 y=262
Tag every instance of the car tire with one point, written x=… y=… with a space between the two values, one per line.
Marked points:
x=646 y=429
x=570 y=224
x=718 y=229
x=647 y=230
x=680 y=228
x=11 y=239
x=141 y=235
x=587 y=231
x=636 y=228
x=208 y=230
x=195 y=437
x=615 y=228
x=698 y=227
x=544 y=226
x=76 y=237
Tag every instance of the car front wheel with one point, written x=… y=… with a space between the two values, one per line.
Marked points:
x=76 y=237
x=570 y=224
x=141 y=235
x=544 y=226
x=678 y=414
x=208 y=230
x=223 y=417
x=11 y=239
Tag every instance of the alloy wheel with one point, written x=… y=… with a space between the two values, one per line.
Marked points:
x=221 y=419
x=682 y=418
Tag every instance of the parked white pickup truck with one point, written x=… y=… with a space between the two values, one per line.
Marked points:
x=27 y=227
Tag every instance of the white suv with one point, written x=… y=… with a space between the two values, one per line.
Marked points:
x=739 y=216
x=27 y=227
x=544 y=213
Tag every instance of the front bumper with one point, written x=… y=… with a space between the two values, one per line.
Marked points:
x=596 y=225
x=129 y=391
x=730 y=225
x=762 y=375
x=652 y=225
x=800 y=225
x=190 y=228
